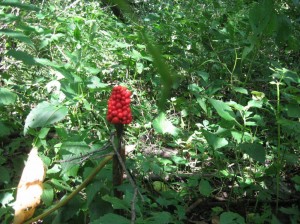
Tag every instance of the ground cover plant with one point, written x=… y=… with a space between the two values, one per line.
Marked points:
x=208 y=99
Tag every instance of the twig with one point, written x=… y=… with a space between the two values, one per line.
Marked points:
x=87 y=155
x=70 y=6
x=133 y=214
x=78 y=189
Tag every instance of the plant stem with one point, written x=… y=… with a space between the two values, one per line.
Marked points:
x=278 y=145
x=78 y=189
x=117 y=167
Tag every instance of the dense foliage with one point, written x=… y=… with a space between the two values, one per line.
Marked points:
x=215 y=107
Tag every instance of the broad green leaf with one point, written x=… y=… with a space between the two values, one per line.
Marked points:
x=77 y=33
x=260 y=15
x=22 y=56
x=75 y=148
x=92 y=70
x=246 y=51
x=17 y=35
x=4 y=129
x=43 y=132
x=257 y=95
x=254 y=150
x=48 y=194
x=4 y=175
x=223 y=109
x=95 y=83
x=14 y=3
x=205 y=188
x=6 y=198
x=293 y=110
x=203 y=75
x=61 y=185
x=139 y=67
x=45 y=114
x=91 y=191
x=214 y=141
x=296 y=179
x=160 y=217
x=255 y=103
x=46 y=62
x=117 y=203
x=241 y=90
x=231 y=218
x=7 y=97
x=111 y=218
x=163 y=126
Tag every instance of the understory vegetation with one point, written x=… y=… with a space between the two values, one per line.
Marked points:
x=215 y=102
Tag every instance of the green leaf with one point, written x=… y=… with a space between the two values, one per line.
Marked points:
x=77 y=33
x=4 y=129
x=223 y=109
x=6 y=198
x=293 y=110
x=17 y=35
x=260 y=15
x=296 y=179
x=164 y=126
x=4 y=175
x=7 y=97
x=45 y=114
x=111 y=218
x=214 y=141
x=254 y=150
x=75 y=148
x=117 y=203
x=91 y=191
x=139 y=67
x=22 y=56
x=241 y=90
x=257 y=95
x=205 y=188
x=231 y=218
x=61 y=185
x=14 y=3
x=246 y=51
x=160 y=217
x=43 y=132
x=95 y=83
x=46 y=62
x=48 y=194
x=203 y=75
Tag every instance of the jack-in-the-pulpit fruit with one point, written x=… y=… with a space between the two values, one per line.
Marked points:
x=119 y=106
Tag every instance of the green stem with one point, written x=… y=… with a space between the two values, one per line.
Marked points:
x=278 y=145
x=78 y=189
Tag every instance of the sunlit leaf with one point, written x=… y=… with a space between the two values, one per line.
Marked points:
x=18 y=35
x=95 y=83
x=214 y=141
x=48 y=194
x=162 y=125
x=45 y=114
x=14 y=3
x=223 y=109
x=22 y=56
x=7 y=97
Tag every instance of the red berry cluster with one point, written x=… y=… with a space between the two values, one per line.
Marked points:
x=119 y=106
